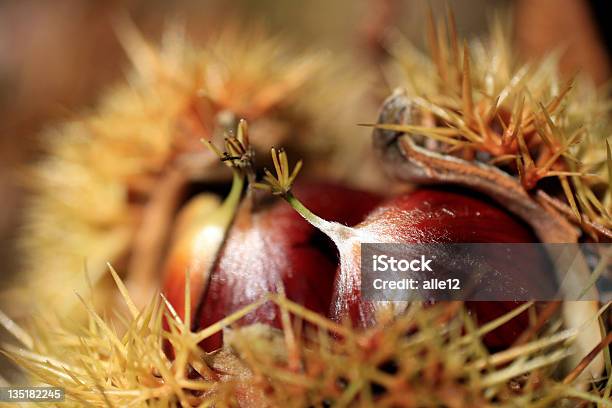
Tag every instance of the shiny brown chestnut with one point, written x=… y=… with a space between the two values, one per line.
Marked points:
x=424 y=216
x=267 y=248
x=232 y=254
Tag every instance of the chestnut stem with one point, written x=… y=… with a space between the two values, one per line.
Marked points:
x=335 y=231
x=232 y=199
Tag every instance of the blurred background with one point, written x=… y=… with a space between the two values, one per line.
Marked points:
x=55 y=57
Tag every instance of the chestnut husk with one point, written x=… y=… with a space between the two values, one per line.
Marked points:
x=406 y=159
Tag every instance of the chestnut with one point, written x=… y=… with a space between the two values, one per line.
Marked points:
x=427 y=215
x=243 y=249
x=408 y=154
x=270 y=245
